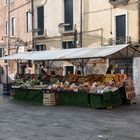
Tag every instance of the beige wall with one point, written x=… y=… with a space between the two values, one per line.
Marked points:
x=98 y=16
x=17 y=10
x=101 y=14
x=54 y=15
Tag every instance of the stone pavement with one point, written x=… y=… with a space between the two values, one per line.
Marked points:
x=22 y=121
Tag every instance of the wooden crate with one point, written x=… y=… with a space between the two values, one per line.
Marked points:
x=49 y=99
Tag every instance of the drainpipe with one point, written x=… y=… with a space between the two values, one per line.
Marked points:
x=8 y=48
x=81 y=23
x=32 y=11
x=139 y=21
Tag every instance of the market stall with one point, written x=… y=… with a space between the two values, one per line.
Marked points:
x=97 y=91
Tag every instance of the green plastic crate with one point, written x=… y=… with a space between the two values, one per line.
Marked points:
x=73 y=99
x=29 y=95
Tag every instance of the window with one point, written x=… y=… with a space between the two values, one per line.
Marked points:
x=68 y=44
x=27 y=21
x=68 y=14
x=40 y=20
x=41 y=47
x=6 y=1
x=69 y=70
x=121 y=29
x=112 y=0
x=6 y=27
x=1 y=52
x=12 y=26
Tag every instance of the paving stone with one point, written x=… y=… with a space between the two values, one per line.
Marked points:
x=23 y=121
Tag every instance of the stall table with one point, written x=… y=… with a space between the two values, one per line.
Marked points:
x=29 y=95
x=71 y=98
x=105 y=100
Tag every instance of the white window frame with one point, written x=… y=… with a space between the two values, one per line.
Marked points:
x=6 y=2
x=27 y=21
x=126 y=22
x=6 y=27
x=44 y=45
x=36 y=15
x=13 y=23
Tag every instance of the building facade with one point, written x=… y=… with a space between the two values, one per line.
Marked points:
x=64 y=24
x=104 y=22
x=15 y=31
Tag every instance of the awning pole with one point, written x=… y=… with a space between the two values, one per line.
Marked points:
x=17 y=66
x=83 y=64
x=127 y=62
x=49 y=66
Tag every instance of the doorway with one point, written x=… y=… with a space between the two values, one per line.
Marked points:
x=69 y=70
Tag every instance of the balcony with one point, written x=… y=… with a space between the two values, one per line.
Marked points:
x=119 y=40
x=40 y=33
x=115 y=3
x=68 y=33
x=65 y=29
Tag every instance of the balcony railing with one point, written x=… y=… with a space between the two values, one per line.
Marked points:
x=119 y=40
x=39 y=32
x=118 y=2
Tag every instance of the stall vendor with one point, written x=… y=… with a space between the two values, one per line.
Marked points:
x=111 y=69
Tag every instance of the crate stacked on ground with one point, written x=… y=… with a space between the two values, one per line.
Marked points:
x=49 y=98
x=129 y=91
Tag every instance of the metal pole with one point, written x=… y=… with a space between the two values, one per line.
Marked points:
x=127 y=67
x=81 y=24
x=139 y=21
x=32 y=11
x=8 y=49
x=81 y=30
x=8 y=46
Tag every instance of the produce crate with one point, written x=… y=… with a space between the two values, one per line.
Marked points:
x=105 y=100
x=49 y=99
x=98 y=101
x=116 y=98
x=73 y=99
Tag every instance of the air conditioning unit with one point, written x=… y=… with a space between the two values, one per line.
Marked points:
x=118 y=2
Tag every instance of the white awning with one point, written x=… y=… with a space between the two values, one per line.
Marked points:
x=98 y=52
x=21 y=55
x=65 y=54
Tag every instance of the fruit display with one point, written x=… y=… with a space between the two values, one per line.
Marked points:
x=91 y=83
x=73 y=78
x=109 y=78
